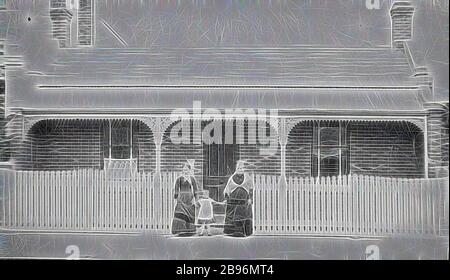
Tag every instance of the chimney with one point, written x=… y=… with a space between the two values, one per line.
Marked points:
x=401 y=22
x=86 y=22
x=61 y=18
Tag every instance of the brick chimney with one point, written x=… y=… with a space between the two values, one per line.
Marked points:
x=61 y=17
x=402 y=13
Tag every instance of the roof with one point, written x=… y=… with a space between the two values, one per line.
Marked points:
x=288 y=66
x=301 y=78
x=224 y=56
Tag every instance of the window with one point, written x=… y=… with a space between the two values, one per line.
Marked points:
x=330 y=149
x=117 y=141
x=121 y=141
x=120 y=154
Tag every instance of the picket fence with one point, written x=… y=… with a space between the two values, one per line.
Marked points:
x=93 y=200
x=351 y=206
x=86 y=200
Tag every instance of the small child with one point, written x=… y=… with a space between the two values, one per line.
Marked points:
x=205 y=213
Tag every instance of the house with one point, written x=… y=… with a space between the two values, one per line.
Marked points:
x=340 y=141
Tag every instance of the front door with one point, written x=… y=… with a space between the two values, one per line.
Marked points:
x=218 y=165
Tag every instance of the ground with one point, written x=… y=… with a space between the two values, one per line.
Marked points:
x=154 y=246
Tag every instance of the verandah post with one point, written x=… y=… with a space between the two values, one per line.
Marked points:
x=157 y=138
x=282 y=184
x=158 y=125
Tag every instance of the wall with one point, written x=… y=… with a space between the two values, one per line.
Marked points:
x=299 y=150
x=393 y=149
x=75 y=144
x=386 y=149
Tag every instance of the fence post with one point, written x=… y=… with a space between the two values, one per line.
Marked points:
x=3 y=192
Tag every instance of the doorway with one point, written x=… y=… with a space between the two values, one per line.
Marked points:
x=219 y=163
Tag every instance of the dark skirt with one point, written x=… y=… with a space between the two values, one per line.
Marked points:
x=239 y=214
x=183 y=222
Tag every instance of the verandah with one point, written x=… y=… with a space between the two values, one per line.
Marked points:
x=323 y=199
x=298 y=146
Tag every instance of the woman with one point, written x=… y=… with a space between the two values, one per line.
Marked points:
x=185 y=193
x=238 y=194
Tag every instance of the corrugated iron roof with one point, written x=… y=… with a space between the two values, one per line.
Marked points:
x=290 y=66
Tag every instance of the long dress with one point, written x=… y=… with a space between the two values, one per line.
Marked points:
x=184 y=217
x=239 y=213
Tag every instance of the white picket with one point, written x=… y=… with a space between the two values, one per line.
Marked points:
x=345 y=205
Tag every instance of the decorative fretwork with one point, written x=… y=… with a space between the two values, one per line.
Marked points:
x=158 y=125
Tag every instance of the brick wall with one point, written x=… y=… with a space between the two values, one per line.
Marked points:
x=299 y=150
x=63 y=145
x=386 y=149
x=260 y=156
x=173 y=156
x=4 y=142
x=382 y=148
x=74 y=144
x=86 y=23
x=4 y=153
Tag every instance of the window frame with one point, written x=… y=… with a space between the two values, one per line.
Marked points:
x=343 y=155
x=109 y=145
